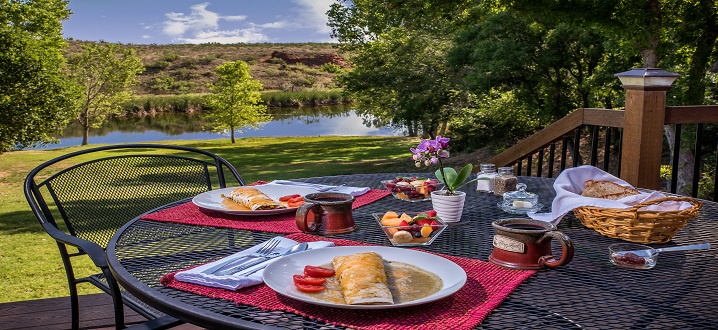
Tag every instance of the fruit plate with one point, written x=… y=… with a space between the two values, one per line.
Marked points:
x=411 y=189
x=419 y=236
x=278 y=274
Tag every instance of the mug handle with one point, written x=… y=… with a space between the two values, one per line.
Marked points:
x=301 y=217
x=566 y=250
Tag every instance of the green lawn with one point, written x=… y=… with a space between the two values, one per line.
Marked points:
x=30 y=264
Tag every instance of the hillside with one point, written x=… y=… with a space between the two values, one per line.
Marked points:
x=186 y=68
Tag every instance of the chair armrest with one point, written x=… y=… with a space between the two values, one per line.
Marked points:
x=94 y=251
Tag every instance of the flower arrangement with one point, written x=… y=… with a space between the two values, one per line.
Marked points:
x=430 y=152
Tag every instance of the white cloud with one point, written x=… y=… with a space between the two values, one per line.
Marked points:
x=204 y=26
x=201 y=22
x=146 y=37
x=273 y=25
x=313 y=14
x=226 y=37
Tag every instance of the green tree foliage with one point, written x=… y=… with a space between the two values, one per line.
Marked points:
x=35 y=99
x=104 y=72
x=553 y=66
x=236 y=100
x=400 y=75
x=401 y=79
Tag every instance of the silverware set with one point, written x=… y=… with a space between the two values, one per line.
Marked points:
x=245 y=265
x=264 y=251
x=319 y=187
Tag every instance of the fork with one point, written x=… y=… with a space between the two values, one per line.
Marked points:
x=266 y=249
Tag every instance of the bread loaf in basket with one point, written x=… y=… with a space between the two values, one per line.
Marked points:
x=634 y=224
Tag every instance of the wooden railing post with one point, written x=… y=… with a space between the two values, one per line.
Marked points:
x=643 y=125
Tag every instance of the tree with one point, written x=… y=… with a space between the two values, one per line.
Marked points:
x=104 y=71
x=236 y=100
x=398 y=52
x=36 y=101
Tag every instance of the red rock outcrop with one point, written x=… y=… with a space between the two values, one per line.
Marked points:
x=309 y=59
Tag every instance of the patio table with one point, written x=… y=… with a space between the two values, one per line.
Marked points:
x=681 y=292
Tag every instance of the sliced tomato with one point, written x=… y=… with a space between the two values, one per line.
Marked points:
x=296 y=199
x=308 y=280
x=288 y=197
x=309 y=287
x=316 y=271
x=295 y=204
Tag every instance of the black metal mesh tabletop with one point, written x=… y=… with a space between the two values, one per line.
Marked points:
x=681 y=292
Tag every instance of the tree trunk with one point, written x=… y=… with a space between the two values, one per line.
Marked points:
x=232 y=134
x=653 y=22
x=685 y=162
x=86 y=126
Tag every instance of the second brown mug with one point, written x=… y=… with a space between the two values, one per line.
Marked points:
x=526 y=244
x=326 y=213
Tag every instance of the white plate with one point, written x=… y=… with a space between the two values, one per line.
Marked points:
x=278 y=274
x=212 y=200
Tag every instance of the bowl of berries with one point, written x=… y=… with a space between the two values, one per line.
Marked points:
x=410 y=229
x=412 y=189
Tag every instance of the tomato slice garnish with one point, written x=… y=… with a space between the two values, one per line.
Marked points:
x=288 y=197
x=309 y=288
x=295 y=204
x=316 y=271
x=308 y=280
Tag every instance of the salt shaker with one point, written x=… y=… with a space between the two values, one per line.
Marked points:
x=505 y=181
x=485 y=178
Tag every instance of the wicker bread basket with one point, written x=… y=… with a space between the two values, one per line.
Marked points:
x=646 y=227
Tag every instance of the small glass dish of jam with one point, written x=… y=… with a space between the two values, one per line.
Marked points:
x=635 y=256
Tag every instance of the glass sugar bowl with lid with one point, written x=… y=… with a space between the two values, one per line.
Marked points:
x=520 y=201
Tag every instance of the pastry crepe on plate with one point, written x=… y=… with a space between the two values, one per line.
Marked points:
x=252 y=199
x=363 y=279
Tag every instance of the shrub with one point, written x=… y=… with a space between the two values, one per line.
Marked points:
x=276 y=60
x=158 y=65
x=331 y=68
x=170 y=57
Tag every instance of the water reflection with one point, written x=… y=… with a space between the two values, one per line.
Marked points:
x=306 y=121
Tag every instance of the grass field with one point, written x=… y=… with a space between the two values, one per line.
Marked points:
x=30 y=264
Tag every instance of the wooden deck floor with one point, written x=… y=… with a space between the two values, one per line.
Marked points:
x=95 y=313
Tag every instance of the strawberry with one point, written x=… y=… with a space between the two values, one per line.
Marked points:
x=430 y=213
x=435 y=225
x=404 y=225
x=425 y=222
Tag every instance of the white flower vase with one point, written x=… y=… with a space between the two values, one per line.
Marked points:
x=448 y=207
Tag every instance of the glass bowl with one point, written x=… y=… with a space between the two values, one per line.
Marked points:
x=412 y=189
x=635 y=256
x=415 y=234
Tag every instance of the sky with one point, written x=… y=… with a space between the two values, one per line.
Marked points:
x=195 y=22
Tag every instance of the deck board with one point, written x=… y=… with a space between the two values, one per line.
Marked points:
x=96 y=312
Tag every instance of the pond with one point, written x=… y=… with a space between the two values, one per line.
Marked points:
x=305 y=121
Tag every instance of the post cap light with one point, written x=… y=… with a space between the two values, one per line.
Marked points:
x=647 y=77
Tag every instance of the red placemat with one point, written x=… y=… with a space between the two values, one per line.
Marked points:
x=486 y=287
x=284 y=223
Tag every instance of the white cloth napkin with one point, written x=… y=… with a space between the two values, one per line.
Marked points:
x=234 y=282
x=571 y=182
x=354 y=191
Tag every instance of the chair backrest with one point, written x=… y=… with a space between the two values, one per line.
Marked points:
x=90 y=194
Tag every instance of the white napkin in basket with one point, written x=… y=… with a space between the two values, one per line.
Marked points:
x=234 y=282
x=571 y=182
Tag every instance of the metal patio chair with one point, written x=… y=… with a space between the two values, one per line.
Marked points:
x=81 y=199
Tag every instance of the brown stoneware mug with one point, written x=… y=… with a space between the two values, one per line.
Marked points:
x=526 y=244
x=326 y=213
